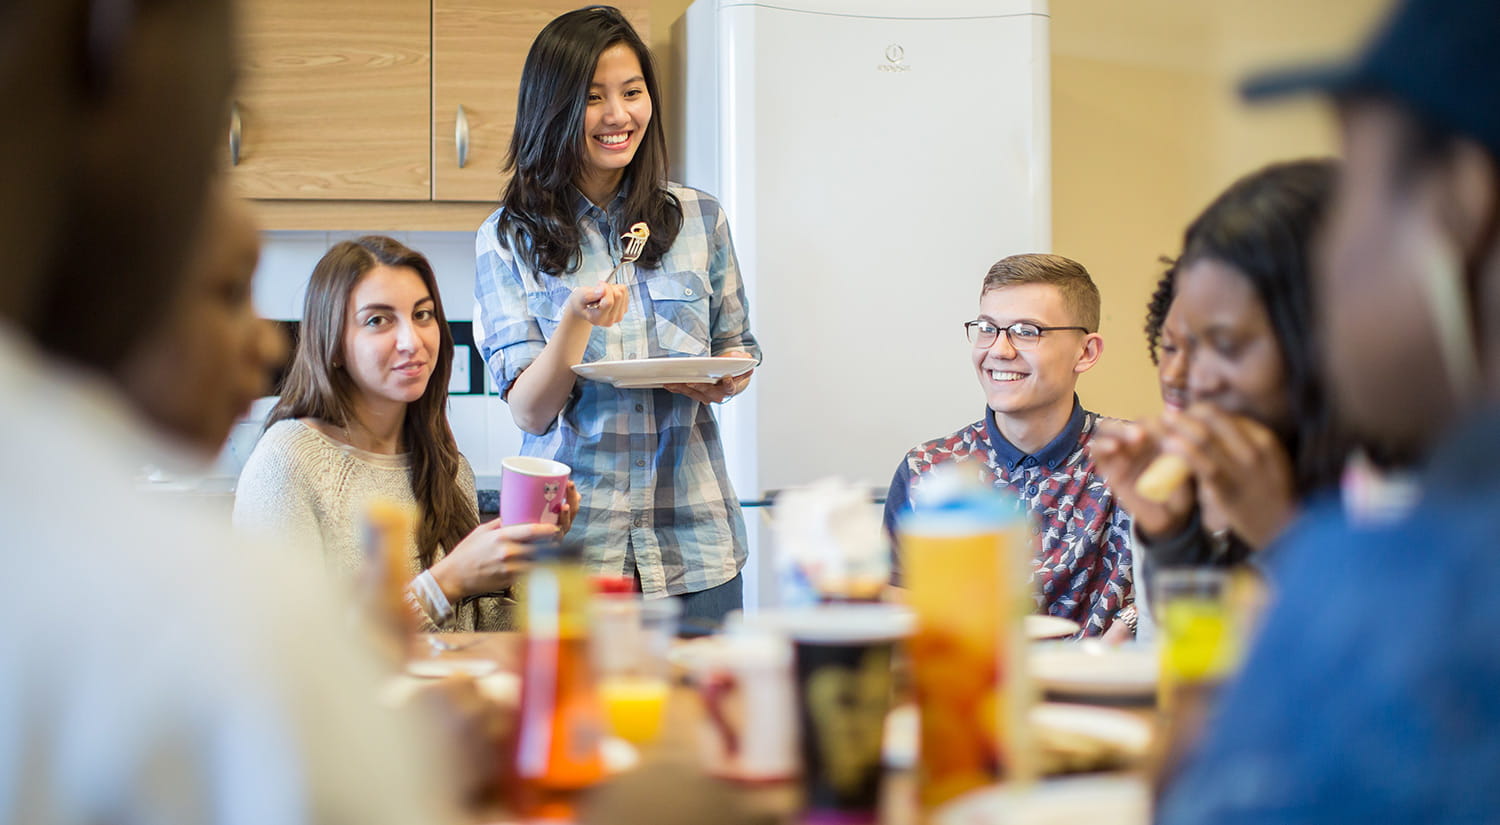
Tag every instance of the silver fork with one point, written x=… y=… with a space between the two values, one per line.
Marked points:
x=635 y=243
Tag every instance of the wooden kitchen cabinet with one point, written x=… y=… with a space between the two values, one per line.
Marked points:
x=334 y=100
x=478 y=50
x=348 y=109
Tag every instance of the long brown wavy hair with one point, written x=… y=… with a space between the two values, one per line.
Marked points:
x=547 y=147
x=315 y=388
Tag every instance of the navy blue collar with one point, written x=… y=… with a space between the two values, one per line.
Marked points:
x=1051 y=456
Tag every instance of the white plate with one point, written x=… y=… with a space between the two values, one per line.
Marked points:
x=439 y=668
x=1104 y=728
x=1049 y=627
x=640 y=373
x=1092 y=668
x=1116 y=799
x=1125 y=733
x=500 y=687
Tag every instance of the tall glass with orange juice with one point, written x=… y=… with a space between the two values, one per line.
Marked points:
x=557 y=741
x=963 y=558
x=631 y=637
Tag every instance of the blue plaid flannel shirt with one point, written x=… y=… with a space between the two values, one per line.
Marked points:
x=648 y=463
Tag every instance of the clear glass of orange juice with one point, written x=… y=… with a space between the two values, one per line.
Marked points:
x=630 y=638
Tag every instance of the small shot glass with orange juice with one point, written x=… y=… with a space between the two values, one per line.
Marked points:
x=630 y=639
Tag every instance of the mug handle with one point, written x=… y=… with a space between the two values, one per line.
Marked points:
x=716 y=689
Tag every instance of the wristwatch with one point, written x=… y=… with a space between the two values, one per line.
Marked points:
x=1129 y=616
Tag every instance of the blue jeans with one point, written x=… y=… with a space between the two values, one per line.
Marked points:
x=704 y=611
x=712 y=605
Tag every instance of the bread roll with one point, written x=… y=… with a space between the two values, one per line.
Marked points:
x=1162 y=478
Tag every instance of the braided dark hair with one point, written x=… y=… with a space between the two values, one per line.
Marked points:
x=1156 y=308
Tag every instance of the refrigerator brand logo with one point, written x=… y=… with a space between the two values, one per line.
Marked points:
x=895 y=60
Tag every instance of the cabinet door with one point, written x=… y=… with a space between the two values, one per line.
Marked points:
x=335 y=100
x=478 y=50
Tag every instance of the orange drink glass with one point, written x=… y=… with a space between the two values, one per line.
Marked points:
x=630 y=638
x=964 y=565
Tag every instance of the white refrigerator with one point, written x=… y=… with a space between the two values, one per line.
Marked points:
x=874 y=158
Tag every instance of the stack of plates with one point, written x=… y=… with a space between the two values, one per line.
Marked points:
x=1094 y=670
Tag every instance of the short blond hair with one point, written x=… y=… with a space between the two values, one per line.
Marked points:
x=1080 y=295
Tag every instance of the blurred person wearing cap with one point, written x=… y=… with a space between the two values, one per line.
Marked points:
x=1369 y=693
x=154 y=671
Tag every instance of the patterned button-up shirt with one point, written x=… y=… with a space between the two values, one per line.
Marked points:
x=1081 y=569
x=648 y=463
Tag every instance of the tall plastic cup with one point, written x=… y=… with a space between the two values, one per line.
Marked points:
x=965 y=557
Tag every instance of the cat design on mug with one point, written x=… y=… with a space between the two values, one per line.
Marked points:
x=551 y=503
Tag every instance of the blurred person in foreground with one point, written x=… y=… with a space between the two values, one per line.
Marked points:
x=1369 y=695
x=155 y=672
x=207 y=355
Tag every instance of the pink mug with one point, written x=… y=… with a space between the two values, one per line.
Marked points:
x=532 y=490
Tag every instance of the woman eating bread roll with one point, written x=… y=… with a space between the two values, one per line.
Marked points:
x=1256 y=436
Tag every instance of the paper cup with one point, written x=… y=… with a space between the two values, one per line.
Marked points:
x=532 y=490
x=843 y=684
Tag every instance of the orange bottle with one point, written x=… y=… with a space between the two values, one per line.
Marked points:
x=561 y=722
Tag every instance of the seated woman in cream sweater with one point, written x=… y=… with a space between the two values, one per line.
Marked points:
x=363 y=417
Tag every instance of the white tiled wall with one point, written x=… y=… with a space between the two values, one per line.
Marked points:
x=482 y=424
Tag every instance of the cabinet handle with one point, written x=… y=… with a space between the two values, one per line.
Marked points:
x=234 y=133
x=461 y=137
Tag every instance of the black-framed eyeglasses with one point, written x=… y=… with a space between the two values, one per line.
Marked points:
x=1023 y=335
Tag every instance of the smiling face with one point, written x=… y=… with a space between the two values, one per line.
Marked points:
x=615 y=120
x=391 y=337
x=1019 y=383
x=1236 y=360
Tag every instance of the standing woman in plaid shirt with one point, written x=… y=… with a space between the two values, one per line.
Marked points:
x=588 y=160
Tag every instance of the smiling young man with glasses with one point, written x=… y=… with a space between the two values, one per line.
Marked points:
x=1035 y=335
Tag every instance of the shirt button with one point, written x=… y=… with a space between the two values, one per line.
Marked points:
x=637 y=521
x=640 y=407
x=640 y=462
x=687 y=293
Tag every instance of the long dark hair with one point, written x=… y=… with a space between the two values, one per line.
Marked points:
x=548 y=146
x=315 y=388
x=1263 y=227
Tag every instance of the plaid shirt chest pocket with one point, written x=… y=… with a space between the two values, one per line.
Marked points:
x=547 y=303
x=680 y=304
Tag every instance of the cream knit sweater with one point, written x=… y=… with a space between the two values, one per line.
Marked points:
x=308 y=491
